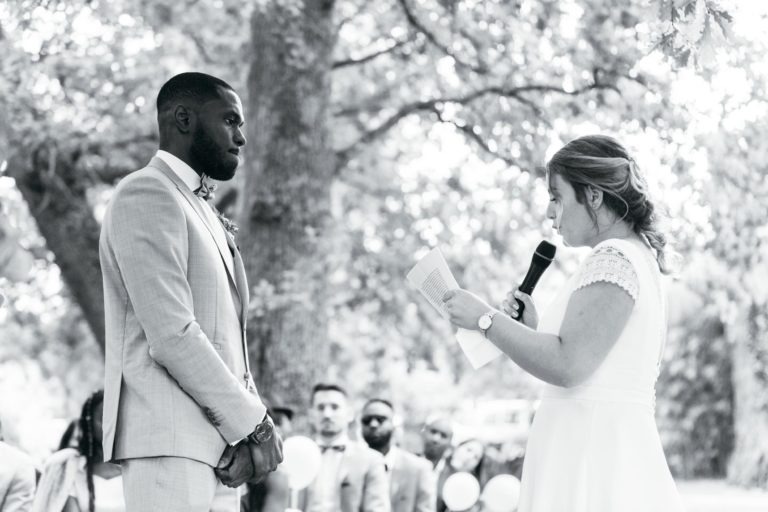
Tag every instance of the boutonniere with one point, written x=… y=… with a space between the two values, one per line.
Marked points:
x=229 y=225
x=206 y=191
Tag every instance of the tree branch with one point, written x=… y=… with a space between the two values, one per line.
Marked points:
x=200 y=45
x=481 y=69
x=516 y=93
x=469 y=130
x=343 y=21
x=369 y=57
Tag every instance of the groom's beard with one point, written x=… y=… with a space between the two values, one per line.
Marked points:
x=210 y=158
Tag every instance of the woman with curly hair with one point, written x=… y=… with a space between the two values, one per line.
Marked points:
x=75 y=478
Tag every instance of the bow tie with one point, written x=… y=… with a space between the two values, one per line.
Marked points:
x=206 y=188
x=336 y=447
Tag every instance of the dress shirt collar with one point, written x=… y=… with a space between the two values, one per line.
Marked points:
x=182 y=170
x=342 y=440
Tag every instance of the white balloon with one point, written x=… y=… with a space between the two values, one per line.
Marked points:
x=501 y=493
x=460 y=491
x=301 y=461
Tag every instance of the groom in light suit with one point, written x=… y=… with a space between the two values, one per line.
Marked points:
x=181 y=411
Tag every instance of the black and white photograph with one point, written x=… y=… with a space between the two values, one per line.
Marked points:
x=383 y=256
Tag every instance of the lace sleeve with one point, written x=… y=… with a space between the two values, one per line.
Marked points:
x=610 y=265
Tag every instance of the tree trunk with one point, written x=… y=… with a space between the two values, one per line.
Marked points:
x=749 y=462
x=56 y=194
x=285 y=205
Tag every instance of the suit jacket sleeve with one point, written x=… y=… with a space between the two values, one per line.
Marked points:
x=148 y=237
x=376 y=490
x=426 y=499
x=21 y=491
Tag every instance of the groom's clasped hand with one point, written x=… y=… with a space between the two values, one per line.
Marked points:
x=250 y=460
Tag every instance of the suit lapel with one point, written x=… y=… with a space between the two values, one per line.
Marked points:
x=350 y=464
x=394 y=481
x=240 y=278
x=197 y=206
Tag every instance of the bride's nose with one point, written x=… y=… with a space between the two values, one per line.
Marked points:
x=551 y=213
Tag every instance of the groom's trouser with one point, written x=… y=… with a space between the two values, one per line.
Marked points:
x=170 y=484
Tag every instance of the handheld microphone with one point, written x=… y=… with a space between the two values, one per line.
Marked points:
x=541 y=259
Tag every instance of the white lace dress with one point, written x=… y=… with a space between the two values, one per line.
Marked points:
x=595 y=447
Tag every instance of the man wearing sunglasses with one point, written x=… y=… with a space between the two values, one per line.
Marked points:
x=411 y=483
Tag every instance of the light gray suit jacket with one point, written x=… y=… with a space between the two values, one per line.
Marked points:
x=17 y=479
x=176 y=381
x=412 y=485
x=362 y=482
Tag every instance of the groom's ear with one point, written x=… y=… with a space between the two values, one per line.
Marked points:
x=182 y=117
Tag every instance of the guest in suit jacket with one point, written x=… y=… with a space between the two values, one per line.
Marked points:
x=437 y=436
x=352 y=476
x=17 y=478
x=411 y=482
x=179 y=399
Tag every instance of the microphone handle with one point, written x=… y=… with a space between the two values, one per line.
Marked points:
x=529 y=283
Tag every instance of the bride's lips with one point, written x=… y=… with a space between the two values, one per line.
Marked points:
x=235 y=152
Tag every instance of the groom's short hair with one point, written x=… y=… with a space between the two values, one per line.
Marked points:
x=198 y=87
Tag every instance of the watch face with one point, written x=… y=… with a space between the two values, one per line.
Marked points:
x=264 y=432
x=484 y=322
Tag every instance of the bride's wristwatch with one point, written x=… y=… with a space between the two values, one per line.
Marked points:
x=486 y=321
x=263 y=432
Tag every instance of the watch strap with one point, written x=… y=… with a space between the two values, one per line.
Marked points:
x=490 y=314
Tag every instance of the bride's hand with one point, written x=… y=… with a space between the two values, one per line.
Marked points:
x=464 y=308
x=510 y=307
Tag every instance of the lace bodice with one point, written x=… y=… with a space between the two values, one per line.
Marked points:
x=608 y=263
x=631 y=366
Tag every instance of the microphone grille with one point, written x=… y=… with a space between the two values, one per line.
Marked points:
x=546 y=250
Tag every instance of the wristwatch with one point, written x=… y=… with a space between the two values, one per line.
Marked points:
x=486 y=321
x=263 y=431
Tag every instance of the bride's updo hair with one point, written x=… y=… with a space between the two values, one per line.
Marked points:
x=601 y=162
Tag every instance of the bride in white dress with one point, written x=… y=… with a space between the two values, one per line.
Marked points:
x=593 y=445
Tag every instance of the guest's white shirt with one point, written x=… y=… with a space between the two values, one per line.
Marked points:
x=325 y=489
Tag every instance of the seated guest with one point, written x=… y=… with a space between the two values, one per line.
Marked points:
x=474 y=457
x=76 y=479
x=352 y=476
x=437 y=436
x=411 y=483
x=17 y=478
